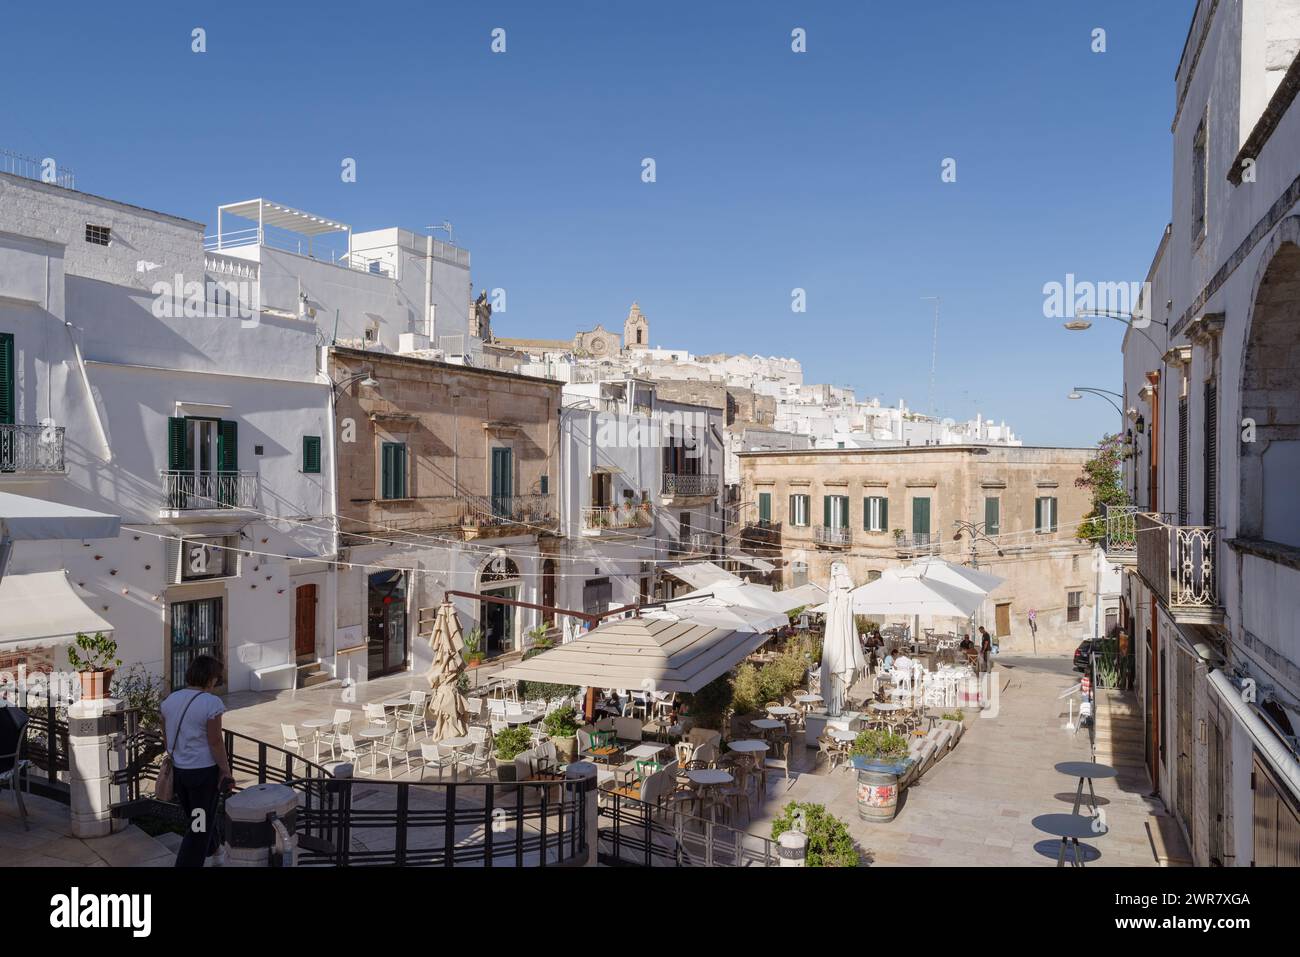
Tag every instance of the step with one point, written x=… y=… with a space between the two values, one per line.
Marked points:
x=311 y=673
x=1167 y=841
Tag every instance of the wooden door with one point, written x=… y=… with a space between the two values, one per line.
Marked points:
x=1003 y=623
x=304 y=628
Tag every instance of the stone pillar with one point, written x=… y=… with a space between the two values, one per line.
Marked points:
x=261 y=823
x=793 y=849
x=94 y=751
x=580 y=777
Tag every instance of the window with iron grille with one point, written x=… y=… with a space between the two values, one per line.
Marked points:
x=99 y=235
x=195 y=630
x=1073 y=602
x=311 y=454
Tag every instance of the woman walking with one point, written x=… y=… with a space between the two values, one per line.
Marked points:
x=191 y=725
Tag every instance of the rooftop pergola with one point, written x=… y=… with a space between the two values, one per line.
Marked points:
x=277 y=216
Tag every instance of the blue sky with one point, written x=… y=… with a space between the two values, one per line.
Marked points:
x=775 y=170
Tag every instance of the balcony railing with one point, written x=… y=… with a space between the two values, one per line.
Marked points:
x=918 y=543
x=693 y=543
x=676 y=484
x=1121 y=533
x=486 y=513
x=184 y=491
x=31 y=448
x=838 y=536
x=1177 y=563
x=599 y=518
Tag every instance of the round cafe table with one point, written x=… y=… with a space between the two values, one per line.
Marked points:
x=782 y=712
x=809 y=698
x=315 y=726
x=840 y=735
x=396 y=702
x=1085 y=771
x=886 y=706
x=707 y=779
x=373 y=733
x=1070 y=828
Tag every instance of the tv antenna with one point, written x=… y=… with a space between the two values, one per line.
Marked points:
x=934 y=351
x=445 y=226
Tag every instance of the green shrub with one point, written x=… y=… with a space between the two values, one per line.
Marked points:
x=746 y=694
x=879 y=745
x=957 y=715
x=829 y=842
x=708 y=707
x=512 y=742
x=561 y=723
x=141 y=690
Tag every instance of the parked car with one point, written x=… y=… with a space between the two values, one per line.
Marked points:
x=1081 y=655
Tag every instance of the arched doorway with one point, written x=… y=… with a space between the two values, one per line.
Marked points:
x=1270 y=396
x=499 y=577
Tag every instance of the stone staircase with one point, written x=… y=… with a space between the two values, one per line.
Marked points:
x=311 y=672
x=1120 y=743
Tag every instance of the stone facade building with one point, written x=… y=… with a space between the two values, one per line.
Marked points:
x=880 y=508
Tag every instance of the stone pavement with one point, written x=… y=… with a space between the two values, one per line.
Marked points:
x=49 y=842
x=976 y=806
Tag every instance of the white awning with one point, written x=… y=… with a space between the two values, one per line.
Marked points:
x=702 y=574
x=755 y=563
x=34 y=519
x=1274 y=749
x=42 y=608
x=283 y=217
x=639 y=653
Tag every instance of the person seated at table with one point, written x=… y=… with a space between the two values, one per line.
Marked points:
x=888 y=663
x=902 y=662
x=966 y=643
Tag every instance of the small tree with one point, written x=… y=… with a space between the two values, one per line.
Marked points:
x=1103 y=475
x=829 y=842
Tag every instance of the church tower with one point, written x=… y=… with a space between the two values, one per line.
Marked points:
x=636 y=330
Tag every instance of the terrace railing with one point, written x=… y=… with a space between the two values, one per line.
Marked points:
x=598 y=518
x=1121 y=533
x=31 y=448
x=1177 y=563
x=918 y=543
x=189 y=490
x=678 y=484
x=483 y=513
x=838 y=536
x=639 y=834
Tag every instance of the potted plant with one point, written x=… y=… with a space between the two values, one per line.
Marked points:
x=95 y=659
x=829 y=842
x=562 y=728
x=881 y=759
x=473 y=650
x=509 y=744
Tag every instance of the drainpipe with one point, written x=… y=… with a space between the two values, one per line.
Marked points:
x=332 y=432
x=428 y=289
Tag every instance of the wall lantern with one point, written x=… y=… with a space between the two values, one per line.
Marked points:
x=1140 y=424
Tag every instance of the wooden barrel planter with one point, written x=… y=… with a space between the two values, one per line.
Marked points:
x=878 y=789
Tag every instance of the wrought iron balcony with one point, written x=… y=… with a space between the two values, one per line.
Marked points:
x=837 y=536
x=761 y=534
x=1121 y=533
x=188 y=491
x=1177 y=564
x=31 y=448
x=918 y=543
x=677 y=485
x=693 y=543
x=507 y=515
x=602 y=518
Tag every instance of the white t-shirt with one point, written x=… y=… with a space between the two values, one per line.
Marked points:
x=189 y=742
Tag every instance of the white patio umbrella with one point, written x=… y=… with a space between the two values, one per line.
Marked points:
x=448 y=704
x=897 y=593
x=936 y=569
x=842 y=658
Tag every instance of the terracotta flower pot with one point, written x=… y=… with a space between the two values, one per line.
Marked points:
x=95 y=684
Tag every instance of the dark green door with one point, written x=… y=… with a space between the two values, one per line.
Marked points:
x=503 y=484
x=921 y=520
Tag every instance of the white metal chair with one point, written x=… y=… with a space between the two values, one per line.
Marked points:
x=342 y=724
x=376 y=714
x=392 y=748
x=496 y=708
x=350 y=751
x=291 y=740
x=474 y=709
x=413 y=715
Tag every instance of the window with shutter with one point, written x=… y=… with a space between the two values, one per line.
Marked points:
x=799 y=507
x=992 y=515
x=921 y=519
x=1044 y=514
x=311 y=454
x=228 y=446
x=875 y=513
x=392 y=482
x=8 y=387
x=1211 y=453
x=1182 y=460
x=176 y=444
x=765 y=507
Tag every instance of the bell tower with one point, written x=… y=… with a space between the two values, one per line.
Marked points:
x=636 y=329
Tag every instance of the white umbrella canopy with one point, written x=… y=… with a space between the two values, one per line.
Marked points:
x=936 y=569
x=710 y=611
x=842 y=658
x=743 y=594
x=895 y=593
x=33 y=519
x=448 y=704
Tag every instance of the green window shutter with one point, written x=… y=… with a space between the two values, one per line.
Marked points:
x=866 y=514
x=393 y=470
x=991 y=516
x=765 y=506
x=884 y=514
x=8 y=403
x=1038 y=514
x=311 y=454
x=175 y=444
x=228 y=446
x=544 y=486
x=826 y=511
x=1052 y=500
x=920 y=516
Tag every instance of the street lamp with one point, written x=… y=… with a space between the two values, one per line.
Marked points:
x=1081 y=321
x=977 y=532
x=365 y=378
x=1078 y=390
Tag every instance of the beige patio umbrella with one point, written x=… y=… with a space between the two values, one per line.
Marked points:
x=448 y=704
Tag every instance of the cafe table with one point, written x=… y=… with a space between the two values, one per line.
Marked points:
x=842 y=736
x=807 y=699
x=315 y=726
x=645 y=752
x=1085 y=771
x=1070 y=828
x=707 y=779
x=782 y=712
x=373 y=733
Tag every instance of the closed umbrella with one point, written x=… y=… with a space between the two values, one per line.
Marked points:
x=842 y=658
x=448 y=704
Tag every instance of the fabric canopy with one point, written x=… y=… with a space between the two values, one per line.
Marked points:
x=701 y=574
x=637 y=653
x=711 y=611
x=896 y=594
x=744 y=595
x=936 y=569
x=842 y=658
x=804 y=595
x=42 y=608
x=34 y=519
